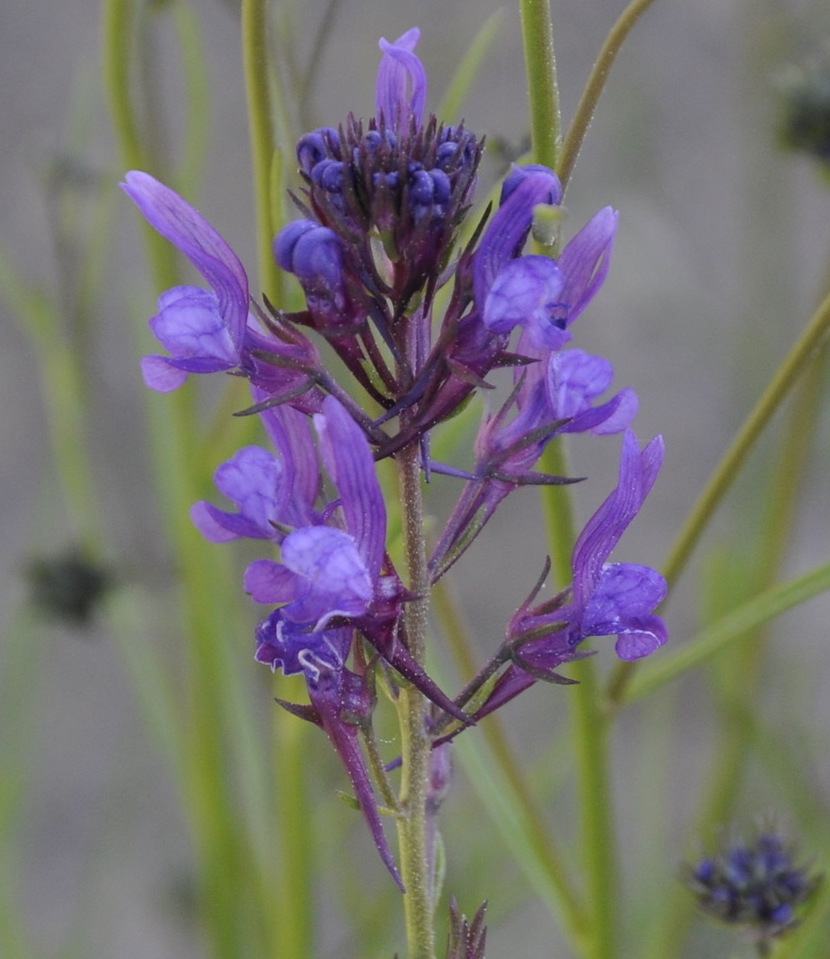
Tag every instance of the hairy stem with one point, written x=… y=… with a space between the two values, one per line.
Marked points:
x=415 y=742
x=543 y=91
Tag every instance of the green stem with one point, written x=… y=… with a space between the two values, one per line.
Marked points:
x=255 y=59
x=415 y=743
x=591 y=731
x=594 y=87
x=118 y=38
x=553 y=861
x=543 y=91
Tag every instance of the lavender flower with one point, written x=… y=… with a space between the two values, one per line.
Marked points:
x=544 y=296
x=604 y=598
x=333 y=562
x=554 y=391
x=505 y=452
x=208 y=331
x=402 y=82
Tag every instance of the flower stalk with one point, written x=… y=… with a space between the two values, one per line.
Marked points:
x=415 y=741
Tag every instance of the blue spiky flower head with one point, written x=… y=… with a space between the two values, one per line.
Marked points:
x=757 y=885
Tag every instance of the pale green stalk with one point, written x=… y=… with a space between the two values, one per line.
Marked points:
x=293 y=929
x=465 y=74
x=710 y=641
x=794 y=365
x=542 y=88
x=412 y=710
x=594 y=87
x=257 y=88
x=231 y=836
x=590 y=724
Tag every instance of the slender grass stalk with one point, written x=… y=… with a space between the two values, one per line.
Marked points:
x=257 y=88
x=594 y=87
x=212 y=715
x=542 y=86
x=590 y=724
x=465 y=74
x=794 y=365
x=196 y=93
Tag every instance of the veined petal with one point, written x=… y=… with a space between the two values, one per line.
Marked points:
x=527 y=292
x=161 y=375
x=625 y=406
x=624 y=590
x=575 y=378
x=290 y=432
x=349 y=461
x=191 y=326
x=602 y=532
x=402 y=81
x=332 y=578
x=270 y=582
x=206 y=249
x=585 y=260
x=643 y=635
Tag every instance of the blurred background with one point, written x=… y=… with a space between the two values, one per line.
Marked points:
x=721 y=257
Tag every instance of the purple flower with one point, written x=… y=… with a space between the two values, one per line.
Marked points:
x=208 y=331
x=270 y=492
x=333 y=563
x=203 y=330
x=605 y=598
x=544 y=296
x=327 y=570
x=506 y=234
x=561 y=401
x=341 y=703
x=402 y=82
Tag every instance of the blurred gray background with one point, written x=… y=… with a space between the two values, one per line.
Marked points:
x=720 y=258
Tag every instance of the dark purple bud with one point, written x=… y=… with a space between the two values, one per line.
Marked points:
x=421 y=192
x=390 y=180
x=328 y=174
x=317 y=258
x=316 y=146
x=441 y=186
x=457 y=149
x=286 y=240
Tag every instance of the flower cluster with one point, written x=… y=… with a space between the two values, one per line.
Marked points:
x=756 y=885
x=382 y=203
